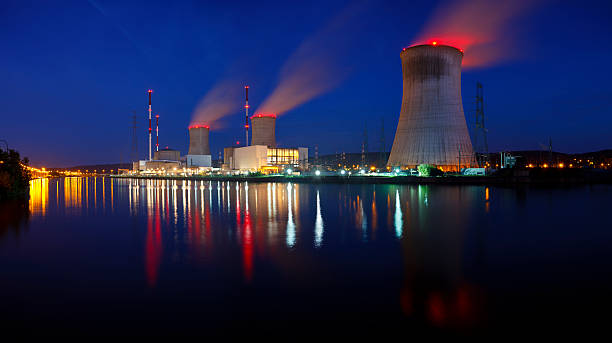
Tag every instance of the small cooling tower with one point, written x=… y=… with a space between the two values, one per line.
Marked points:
x=262 y=129
x=199 y=147
x=432 y=127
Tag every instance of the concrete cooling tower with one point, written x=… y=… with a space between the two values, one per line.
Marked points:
x=432 y=127
x=262 y=129
x=198 y=140
x=199 y=147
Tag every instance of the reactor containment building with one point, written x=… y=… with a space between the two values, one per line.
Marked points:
x=432 y=127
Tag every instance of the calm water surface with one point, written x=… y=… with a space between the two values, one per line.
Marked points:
x=100 y=255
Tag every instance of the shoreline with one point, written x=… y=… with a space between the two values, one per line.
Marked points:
x=448 y=180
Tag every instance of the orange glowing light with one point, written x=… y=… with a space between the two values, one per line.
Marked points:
x=434 y=43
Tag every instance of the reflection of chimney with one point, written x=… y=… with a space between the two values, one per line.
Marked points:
x=198 y=140
x=262 y=129
x=431 y=127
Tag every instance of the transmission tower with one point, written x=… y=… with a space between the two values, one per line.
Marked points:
x=383 y=149
x=364 y=144
x=134 y=152
x=481 y=146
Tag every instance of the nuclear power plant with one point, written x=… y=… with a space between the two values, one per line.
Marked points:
x=432 y=127
x=431 y=130
x=261 y=155
x=165 y=160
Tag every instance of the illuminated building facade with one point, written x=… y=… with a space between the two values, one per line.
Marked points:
x=264 y=158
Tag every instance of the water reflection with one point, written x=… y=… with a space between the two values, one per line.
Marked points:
x=398 y=216
x=14 y=216
x=275 y=227
x=318 y=224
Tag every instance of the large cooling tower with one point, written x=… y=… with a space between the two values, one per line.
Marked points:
x=198 y=140
x=262 y=129
x=432 y=127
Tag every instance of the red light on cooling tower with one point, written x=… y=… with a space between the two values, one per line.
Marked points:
x=261 y=115
x=197 y=126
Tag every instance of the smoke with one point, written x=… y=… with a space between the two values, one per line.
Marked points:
x=220 y=101
x=484 y=29
x=318 y=65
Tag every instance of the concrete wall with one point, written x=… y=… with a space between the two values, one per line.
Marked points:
x=263 y=130
x=431 y=127
x=228 y=157
x=251 y=157
x=198 y=161
x=166 y=165
x=303 y=156
x=167 y=154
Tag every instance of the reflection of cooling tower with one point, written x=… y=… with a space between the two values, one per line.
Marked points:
x=431 y=126
x=198 y=140
x=262 y=129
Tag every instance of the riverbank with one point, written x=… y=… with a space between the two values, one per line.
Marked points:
x=510 y=177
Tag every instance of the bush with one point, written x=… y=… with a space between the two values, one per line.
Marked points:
x=14 y=177
x=429 y=170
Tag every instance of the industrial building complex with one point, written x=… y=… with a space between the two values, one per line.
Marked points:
x=261 y=155
x=432 y=128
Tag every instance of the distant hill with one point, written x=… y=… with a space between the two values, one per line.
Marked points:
x=98 y=168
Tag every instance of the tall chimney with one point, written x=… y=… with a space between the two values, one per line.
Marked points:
x=246 y=116
x=150 y=91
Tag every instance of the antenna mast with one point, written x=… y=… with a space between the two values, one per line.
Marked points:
x=134 y=138
x=480 y=135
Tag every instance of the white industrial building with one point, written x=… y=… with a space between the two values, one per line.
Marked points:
x=263 y=155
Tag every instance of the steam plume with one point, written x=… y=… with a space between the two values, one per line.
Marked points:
x=220 y=101
x=482 y=28
x=315 y=67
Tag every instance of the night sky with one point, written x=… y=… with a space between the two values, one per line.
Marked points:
x=73 y=72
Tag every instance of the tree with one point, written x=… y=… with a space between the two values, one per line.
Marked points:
x=14 y=176
x=428 y=170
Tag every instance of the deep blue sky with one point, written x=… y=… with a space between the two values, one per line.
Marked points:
x=72 y=72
